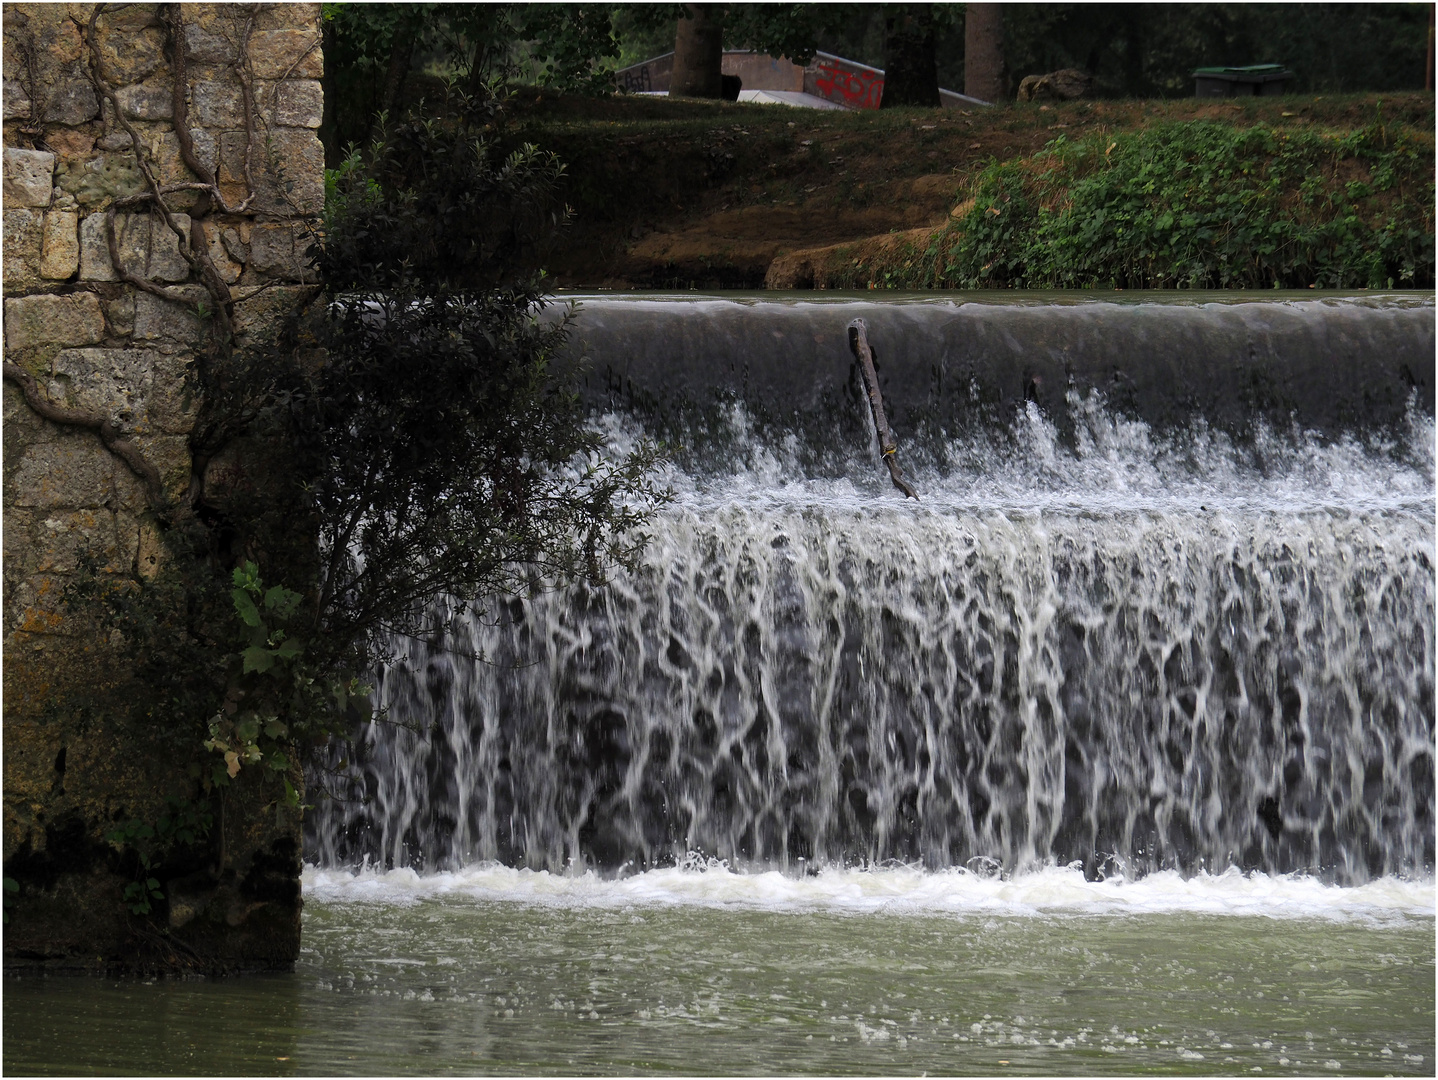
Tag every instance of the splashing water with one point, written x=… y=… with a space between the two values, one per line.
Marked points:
x=1133 y=651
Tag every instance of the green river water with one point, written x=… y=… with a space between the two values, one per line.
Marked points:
x=493 y=981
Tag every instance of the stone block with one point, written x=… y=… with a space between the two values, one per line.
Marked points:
x=114 y=140
x=166 y=322
x=53 y=320
x=61 y=537
x=295 y=174
x=121 y=313
x=279 y=54
x=29 y=177
x=207 y=150
x=71 y=102
x=133 y=17
x=202 y=46
x=130 y=55
x=260 y=314
x=228 y=269
x=74 y=472
x=278 y=17
x=280 y=251
x=117 y=382
x=148 y=248
x=146 y=102
x=170 y=455
x=237 y=242
x=70 y=142
x=101 y=178
x=217 y=105
x=17 y=102
x=60 y=249
x=299 y=103
x=169 y=164
x=23 y=245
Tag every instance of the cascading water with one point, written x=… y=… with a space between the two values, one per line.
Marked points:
x=1093 y=639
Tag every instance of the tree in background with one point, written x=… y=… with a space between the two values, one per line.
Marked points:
x=911 y=74
x=371 y=50
x=1150 y=50
x=984 y=73
x=788 y=30
x=698 y=52
x=1131 y=50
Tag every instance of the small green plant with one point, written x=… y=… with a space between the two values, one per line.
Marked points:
x=138 y=895
x=274 y=696
x=183 y=824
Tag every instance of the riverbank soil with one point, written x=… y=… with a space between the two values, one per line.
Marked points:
x=681 y=194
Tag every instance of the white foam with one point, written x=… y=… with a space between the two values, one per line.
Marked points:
x=898 y=891
x=1117 y=466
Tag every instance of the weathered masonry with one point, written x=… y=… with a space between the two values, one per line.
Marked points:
x=179 y=142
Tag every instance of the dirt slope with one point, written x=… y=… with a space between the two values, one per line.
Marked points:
x=687 y=194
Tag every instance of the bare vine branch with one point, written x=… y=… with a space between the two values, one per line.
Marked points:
x=144 y=284
x=123 y=448
x=175 y=25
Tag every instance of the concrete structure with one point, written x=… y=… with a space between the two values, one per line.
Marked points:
x=827 y=81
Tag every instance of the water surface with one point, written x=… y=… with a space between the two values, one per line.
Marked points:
x=703 y=970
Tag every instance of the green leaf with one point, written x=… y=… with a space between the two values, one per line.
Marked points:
x=289 y=649
x=247 y=577
x=245 y=607
x=258 y=658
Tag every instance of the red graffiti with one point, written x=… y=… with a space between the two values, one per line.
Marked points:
x=857 y=89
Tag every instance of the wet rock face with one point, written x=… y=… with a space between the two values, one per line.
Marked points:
x=76 y=765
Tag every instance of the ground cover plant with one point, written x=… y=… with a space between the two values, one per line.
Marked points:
x=1192 y=204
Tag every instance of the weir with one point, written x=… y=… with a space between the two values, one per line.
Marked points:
x=1166 y=601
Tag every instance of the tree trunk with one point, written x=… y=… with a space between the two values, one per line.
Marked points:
x=911 y=72
x=698 y=53
x=400 y=50
x=1428 y=74
x=984 y=75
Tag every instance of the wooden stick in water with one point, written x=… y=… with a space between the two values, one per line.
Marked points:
x=859 y=342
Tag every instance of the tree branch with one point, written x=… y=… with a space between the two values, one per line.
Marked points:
x=859 y=342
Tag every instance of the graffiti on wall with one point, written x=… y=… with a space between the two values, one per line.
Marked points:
x=847 y=84
x=635 y=80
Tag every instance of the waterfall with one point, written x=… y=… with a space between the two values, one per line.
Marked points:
x=1095 y=638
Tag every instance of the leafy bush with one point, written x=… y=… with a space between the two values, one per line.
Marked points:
x=443 y=449
x=1197 y=205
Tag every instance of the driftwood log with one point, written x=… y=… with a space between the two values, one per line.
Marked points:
x=859 y=342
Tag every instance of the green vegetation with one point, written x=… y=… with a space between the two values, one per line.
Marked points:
x=144 y=845
x=1195 y=205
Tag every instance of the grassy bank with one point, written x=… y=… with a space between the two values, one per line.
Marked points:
x=1291 y=191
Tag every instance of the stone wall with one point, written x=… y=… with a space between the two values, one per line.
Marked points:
x=108 y=353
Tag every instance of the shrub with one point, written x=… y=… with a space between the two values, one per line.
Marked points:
x=1198 y=205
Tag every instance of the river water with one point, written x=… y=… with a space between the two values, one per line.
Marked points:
x=698 y=969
